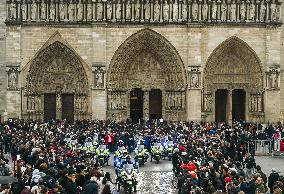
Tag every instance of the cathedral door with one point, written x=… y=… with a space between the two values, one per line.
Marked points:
x=239 y=105
x=136 y=104
x=221 y=98
x=68 y=107
x=49 y=107
x=155 y=104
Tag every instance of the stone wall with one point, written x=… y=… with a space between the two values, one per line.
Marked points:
x=97 y=44
x=3 y=78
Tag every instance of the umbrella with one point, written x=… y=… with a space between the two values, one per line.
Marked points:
x=7 y=179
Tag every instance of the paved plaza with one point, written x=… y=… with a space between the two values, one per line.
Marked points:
x=157 y=178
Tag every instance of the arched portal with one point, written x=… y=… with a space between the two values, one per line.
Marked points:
x=56 y=85
x=146 y=60
x=233 y=67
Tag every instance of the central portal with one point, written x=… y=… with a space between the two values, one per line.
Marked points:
x=136 y=104
x=155 y=104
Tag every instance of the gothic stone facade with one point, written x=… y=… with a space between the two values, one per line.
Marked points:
x=100 y=50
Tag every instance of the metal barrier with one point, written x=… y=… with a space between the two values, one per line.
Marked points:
x=263 y=147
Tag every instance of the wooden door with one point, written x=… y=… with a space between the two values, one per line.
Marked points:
x=49 y=107
x=68 y=107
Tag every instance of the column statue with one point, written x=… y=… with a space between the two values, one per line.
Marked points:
x=262 y=11
x=251 y=11
x=214 y=11
x=223 y=11
x=13 y=11
x=34 y=11
x=89 y=12
x=243 y=11
x=205 y=11
x=80 y=10
x=109 y=10
x=137 y=10
x=52 y=12
x=166 y=10
x=62 y=11
x=195 y=10
x=233 y=11
x=118 y=10
x=157 y=11
x=273 y=11
x=184 y=11
x=175 y=11
x=24 y=12
x=43 y=11
x=128 y=10
x=71 y=12
x=99 y=10
x=147 y=11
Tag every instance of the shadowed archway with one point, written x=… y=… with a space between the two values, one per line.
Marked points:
x=147 y=60
x=233 y=65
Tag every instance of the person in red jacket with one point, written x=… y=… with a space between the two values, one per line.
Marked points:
x=109 y=139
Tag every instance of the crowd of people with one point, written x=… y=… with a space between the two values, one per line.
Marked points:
x=208 y=157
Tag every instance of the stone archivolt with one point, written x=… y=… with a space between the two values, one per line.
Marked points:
x=143 y=11
x=57 y=69
x=148 y=61
x=233 y=65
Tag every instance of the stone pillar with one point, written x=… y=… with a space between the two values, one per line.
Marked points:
x=146 y=105
x=58 y=106
x=282 y=66
x=229 y=107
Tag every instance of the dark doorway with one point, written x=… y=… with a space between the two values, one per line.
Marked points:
x=221 y=98
x=68 y=107
x=136 y=104
x=49 y=107
x=239 y=105
x=155 y=104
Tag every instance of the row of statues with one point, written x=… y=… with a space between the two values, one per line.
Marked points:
x=144 y=11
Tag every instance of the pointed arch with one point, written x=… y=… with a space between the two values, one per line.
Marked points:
x=233 y=64
x=149 y=41
x=56 y=69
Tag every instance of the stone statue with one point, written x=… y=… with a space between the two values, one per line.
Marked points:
x=24 y=12
x=175 y=11
x=233 y=12
x=273 y=11
x=243 y=11
x=118 y=10
x=89 y=12
x=109 y=10
x=80 y=10
x=224 y=11
x=63 y=11
x=99 y=11
x=205 y=11
x=166 y=10
x=43 y=11
x=71 y=12
x=262 y=12
x=273 y=79
x=137 y=10
x=251 y=11
x=34 y=12
x=12 y=82
x=214 y=11
x=128 y=10
x=52 y=12
x=277 y=12
x=157 y=10
x=195 y=11
x=13 y=11
x=147 y=10
x=184 y=11
x=194 y=80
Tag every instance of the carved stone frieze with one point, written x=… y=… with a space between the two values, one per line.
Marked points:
x=143 y=11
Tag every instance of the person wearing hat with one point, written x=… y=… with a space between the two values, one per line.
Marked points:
x=273 y=177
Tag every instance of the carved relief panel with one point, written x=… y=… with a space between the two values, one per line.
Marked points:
x=13 y=77
x=175 y=100
x=194 y=76
x=99 y=71
x=117 y=100
x=207 y=102
x=273 y=78
x=256 y=103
